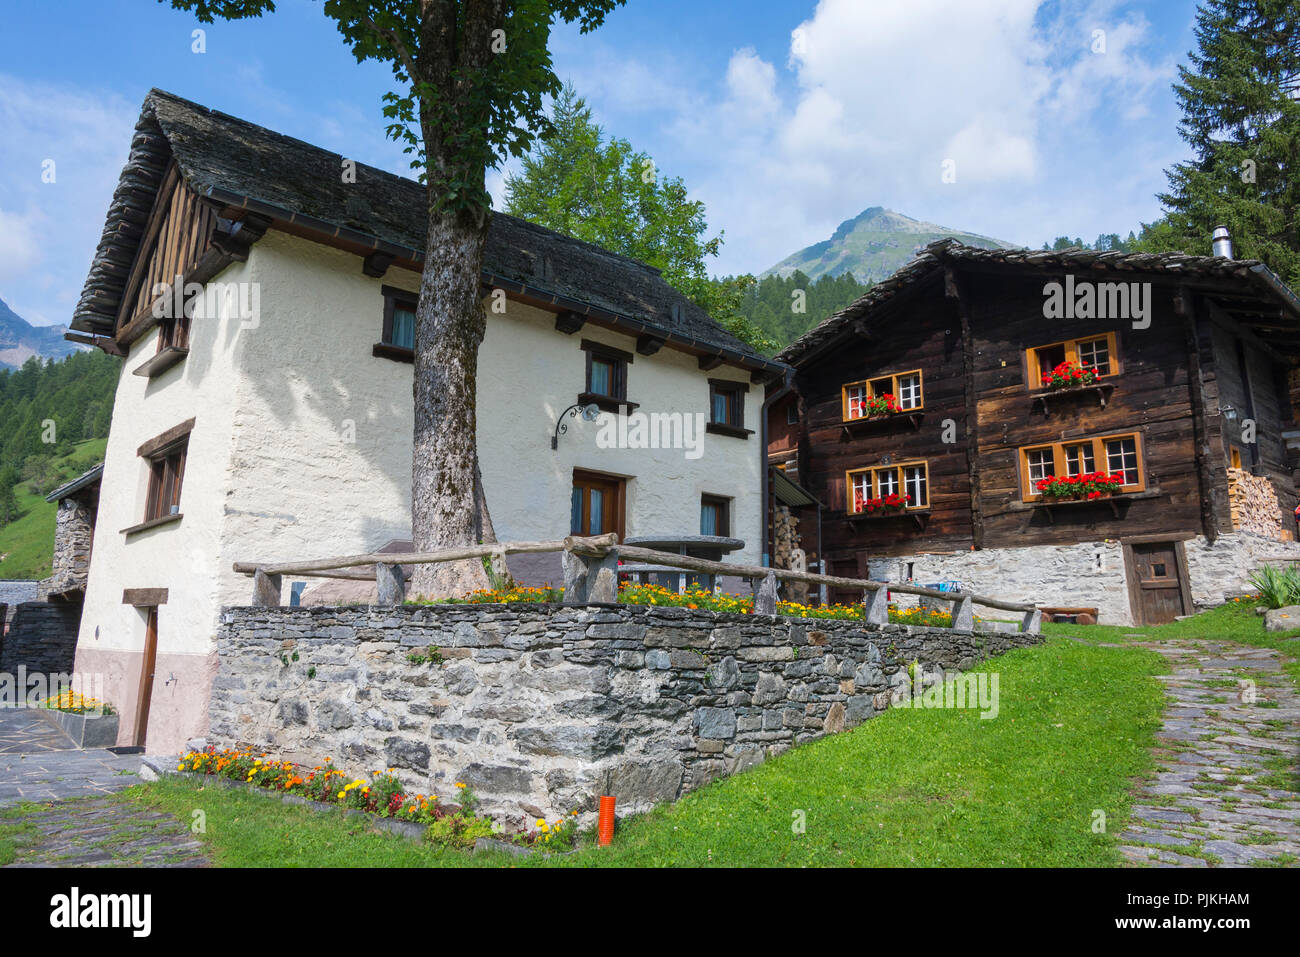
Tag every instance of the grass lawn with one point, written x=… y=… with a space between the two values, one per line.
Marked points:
x=910 y=787
x=1235 y=621
x=27 y=544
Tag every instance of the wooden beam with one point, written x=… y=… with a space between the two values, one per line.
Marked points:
x=376 y=264
x=709 y=363
x=1185 y=305
x=648 y=345
x=952 y=289
x=144 y=597
x=569 y=322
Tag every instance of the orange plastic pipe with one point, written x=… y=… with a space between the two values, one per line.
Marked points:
x=605 y=824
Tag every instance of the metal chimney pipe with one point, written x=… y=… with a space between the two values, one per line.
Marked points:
x=1221 y=242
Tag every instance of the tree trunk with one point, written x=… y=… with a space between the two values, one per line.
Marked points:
x=449 y=327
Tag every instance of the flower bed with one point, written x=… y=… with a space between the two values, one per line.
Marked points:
x=1089 y=485
x=450 y=825
x=72 y=702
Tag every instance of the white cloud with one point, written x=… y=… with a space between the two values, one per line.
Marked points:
x=51 y=229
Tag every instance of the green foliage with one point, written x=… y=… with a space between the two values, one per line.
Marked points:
x=1278 y=586
x=1106 y=242
x=1241 y=116
x=579 y=182
x=784 y=308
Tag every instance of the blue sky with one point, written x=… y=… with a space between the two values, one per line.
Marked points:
x=785 y=116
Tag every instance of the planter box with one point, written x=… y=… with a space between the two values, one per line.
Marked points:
x=86 y=731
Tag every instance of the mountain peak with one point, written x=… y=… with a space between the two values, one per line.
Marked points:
x=20 y=340
x=873 y=245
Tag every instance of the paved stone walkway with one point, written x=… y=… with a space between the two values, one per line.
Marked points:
x=1227 y=792
x=38 y=762
x=103 y=832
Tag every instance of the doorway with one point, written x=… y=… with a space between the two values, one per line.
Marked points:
x=597 y=504
x=148 y=663
x=1157 y=581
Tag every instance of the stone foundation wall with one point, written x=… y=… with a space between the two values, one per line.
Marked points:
x=540 y=709
x=73 y=531
x=42 y=638
x=1089 y=574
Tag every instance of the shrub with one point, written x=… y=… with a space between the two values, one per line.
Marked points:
x=1278 y=586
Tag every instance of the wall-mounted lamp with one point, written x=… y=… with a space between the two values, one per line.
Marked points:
x=1228 y=412
x=589 y=413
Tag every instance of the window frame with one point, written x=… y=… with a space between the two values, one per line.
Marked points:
x=385 y=348
x=735 y=425
x=896 y=467
x=1034 y=371
x=723 y=505
x=1099 y=454
x=165 y=457
x=870 y=392
x=620 y=360
x=614 y=514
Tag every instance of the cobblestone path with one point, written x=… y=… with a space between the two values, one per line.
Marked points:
x=1227 y=792
x=101 y=832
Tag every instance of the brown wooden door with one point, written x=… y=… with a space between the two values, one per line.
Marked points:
x=147 y=664
x=597 y=504
x=1159 y=590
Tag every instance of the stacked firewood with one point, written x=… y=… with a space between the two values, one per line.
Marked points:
x=785 y=536
x=1253 y=502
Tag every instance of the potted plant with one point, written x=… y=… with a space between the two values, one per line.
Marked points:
x=89 y=722
x=885 y=505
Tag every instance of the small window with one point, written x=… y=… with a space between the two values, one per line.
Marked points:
x=792 y=414
x=1097 y=354
x=727 y=403
x=606 y=383
x=596 y=504
x=166 y=470
x=905 y=486
x=397 y=337
x=1041 y=463
x=174 y=333
x=715 y=516
x=1079 y=459
x=898 y=392
x=1122 y=456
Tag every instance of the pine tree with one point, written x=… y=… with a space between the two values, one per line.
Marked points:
x=1241 y=117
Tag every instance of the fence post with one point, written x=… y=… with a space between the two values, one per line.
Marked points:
x=1033 y=623
x=765 y=594
x=877 y=605
x=590 y=580
x=392 y=584
x=266 y=590
x=963 y=615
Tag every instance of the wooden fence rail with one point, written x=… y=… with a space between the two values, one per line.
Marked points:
x=591 y=576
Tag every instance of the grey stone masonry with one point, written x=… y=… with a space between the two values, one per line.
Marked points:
x=542 y=708
x=73 y=531
x=42 y=638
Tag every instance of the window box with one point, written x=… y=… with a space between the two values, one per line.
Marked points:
x=919 y=517
x=884 y=422
x=1118 y=504
x=1101 y=391
x=160 y=363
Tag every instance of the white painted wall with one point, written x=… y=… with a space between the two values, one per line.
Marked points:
x=302 y=444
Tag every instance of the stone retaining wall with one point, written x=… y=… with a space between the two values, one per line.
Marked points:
x=542 y=708
x=42 y=638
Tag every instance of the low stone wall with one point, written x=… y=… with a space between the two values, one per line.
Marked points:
x=542 y=708
x=42 y=638
x=1088 y=574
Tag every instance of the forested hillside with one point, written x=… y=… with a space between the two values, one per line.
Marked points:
x=46 y=409
x=785 y=307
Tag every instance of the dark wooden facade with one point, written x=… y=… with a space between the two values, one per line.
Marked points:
x=968 y=326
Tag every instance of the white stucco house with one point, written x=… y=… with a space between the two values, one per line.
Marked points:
x=276 y=423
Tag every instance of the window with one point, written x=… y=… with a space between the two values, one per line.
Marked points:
x=1097 y=353
x=715 y=516
x=164 y=457
x=397 y=339
x=1111 y=454
x=792 y=414
x=905 y=387
x=606 y=384
x=727 y=408
x=911 y=479
x=166 y=469
x=596 y=504
x=174 y=333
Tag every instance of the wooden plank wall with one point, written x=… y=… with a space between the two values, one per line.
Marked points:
x=183 y=238
x=1151 y=396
